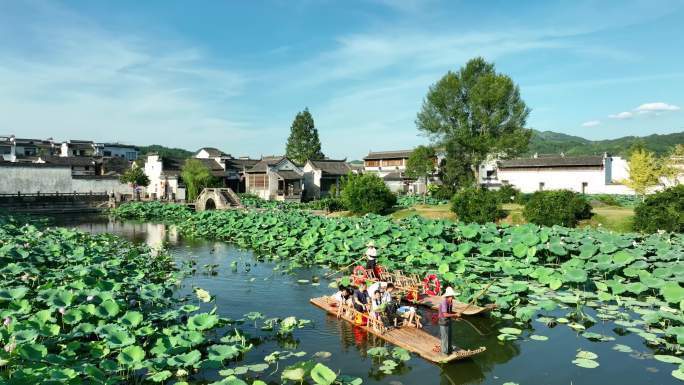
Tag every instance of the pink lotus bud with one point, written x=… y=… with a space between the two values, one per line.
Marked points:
x=62 y=311
x=7 y=321
x=90 y=298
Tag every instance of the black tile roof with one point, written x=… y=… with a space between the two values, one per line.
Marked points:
x=265 y=162
x=553 y=161
x=332 y=167
x=240 y=164
x=121 y=145
x=399 y=154
x=213 y=166
x=78 y=161
x=395 y=176
x=212 y=151
x=289 y=175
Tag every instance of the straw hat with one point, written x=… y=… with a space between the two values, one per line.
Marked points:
x=370 y=244
x=449 y=292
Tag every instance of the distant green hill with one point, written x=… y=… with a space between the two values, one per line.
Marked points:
x=165 y=151
x=549 y=142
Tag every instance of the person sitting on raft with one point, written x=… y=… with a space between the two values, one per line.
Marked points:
x=377 y=306
x=407 y=313
x=343 y=298
x=377 y=286
x=361 y=298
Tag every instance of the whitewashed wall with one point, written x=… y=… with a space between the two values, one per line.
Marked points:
x=528 y=180
x=32 y=178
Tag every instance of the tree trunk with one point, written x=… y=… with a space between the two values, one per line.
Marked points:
x=475 y=168
x=425 y=191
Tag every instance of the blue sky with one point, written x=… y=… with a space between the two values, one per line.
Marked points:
x=233 y=74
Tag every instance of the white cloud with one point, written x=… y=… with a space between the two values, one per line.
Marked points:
x=656 y=107
x=85 y=82
x=591 y=123
x=622 y=115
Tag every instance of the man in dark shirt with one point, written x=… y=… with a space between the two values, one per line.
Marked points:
x=361 y=298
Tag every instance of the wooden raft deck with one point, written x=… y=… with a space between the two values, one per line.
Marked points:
x=463 y=308
x=414 y=340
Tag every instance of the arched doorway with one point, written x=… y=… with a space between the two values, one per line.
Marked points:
x=210 y=204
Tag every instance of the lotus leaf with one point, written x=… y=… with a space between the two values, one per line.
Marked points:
x=131 y=319
x=672 y=292
x=13 y=294
x=622 y=348
x=587 y=355
x=585 y=363
x=33 y=352
x=72 y=316
x=107 y=309
x=185 y=360
x=322 y=375
x=202 y=321
x=115 y=336
x=131 y=355
x=668 y=359
x=61 y=299
x=296 y=374
x=222 y=352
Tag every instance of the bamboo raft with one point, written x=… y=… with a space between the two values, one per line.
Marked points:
x=412 y=339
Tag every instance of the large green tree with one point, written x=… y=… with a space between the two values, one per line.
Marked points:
x=303 y=142
x=421 y=164
x=196 y=177
x=475 y=113
x=135 y=176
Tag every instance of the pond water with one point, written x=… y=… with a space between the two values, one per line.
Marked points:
x=256 y=286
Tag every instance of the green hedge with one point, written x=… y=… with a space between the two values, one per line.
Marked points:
x=367 y=193
x=477 y=205
x=663 y=210
x=556 y=207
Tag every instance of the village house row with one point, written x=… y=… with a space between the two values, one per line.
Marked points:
x=37 y=165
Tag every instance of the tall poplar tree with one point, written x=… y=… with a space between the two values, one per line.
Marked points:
x=303 y=142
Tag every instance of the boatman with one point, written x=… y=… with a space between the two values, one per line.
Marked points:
x=445 y=314
x=371 y=256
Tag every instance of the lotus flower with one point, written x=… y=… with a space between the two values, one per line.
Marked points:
x=61 y=310
x=90 y=298
x=25 y=277
x=7 y=321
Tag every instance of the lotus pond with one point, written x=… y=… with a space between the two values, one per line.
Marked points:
x=546 y=334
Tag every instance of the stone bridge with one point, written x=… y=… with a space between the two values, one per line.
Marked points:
x=217 y=199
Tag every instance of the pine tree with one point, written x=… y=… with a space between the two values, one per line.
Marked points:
x=303 y=142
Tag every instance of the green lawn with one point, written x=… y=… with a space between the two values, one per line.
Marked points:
x=609 y=217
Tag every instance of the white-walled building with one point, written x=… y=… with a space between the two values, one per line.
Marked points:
x=119 y=150
x=276 y=178
x=13 y=149
x=234 y=169
x=584 y=174
x=164 y=175
x=80 y=148
x=321 y=175
x=391 y=167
